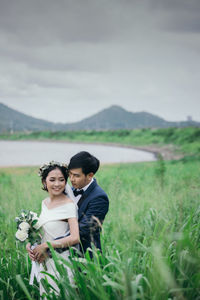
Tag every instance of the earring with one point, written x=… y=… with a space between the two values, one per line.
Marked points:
x=45 y=186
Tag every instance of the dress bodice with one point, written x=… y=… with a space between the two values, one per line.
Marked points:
x=54 y=221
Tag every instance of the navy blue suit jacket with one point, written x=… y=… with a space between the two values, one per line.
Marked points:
x=92 y=211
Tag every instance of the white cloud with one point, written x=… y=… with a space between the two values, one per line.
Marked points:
x=78 y=57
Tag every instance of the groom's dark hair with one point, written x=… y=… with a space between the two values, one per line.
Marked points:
x=86 y=161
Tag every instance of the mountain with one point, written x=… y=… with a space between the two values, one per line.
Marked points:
x=114 y=117
x=12 y=121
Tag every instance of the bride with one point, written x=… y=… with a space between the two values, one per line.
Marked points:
x=58 y=218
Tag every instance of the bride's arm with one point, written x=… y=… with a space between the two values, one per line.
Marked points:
x=40 y=251
x=71 y=239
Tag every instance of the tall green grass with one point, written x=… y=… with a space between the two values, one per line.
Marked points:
x=150 y=237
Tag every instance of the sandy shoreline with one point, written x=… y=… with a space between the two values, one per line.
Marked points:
x=167 y=152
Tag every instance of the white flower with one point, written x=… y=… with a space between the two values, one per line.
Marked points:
x=22 y=215
x=24 y=226
x=21 y=235
x=37 y=224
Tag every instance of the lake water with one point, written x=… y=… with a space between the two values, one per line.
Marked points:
x=33 y=153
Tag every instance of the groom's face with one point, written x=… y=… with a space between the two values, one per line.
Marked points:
x=78 y=179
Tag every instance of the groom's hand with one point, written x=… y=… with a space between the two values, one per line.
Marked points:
x=42 y=258
x=40 y=252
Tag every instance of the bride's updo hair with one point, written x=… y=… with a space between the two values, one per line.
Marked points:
x=52 y=165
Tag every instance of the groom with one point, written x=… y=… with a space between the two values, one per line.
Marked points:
x=92 y=201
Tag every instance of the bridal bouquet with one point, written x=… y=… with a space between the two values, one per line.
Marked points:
x=28 y=227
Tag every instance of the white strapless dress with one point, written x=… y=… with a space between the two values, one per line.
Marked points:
x=53 y=226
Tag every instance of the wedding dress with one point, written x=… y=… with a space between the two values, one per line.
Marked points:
x=53 y=226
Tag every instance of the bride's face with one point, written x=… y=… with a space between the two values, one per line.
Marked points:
x=55 y=182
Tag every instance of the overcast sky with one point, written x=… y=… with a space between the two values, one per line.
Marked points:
x=64 y=60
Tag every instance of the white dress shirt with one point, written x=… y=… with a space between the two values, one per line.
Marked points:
x=78 y=197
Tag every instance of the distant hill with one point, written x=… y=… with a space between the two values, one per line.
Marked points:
x=114 y=117
x=12 y=121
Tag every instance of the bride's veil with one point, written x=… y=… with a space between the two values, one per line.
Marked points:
x=69 y=192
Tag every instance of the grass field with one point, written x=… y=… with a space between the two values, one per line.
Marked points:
x=151 y=235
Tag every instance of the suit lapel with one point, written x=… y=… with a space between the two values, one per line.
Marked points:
x=85 y=198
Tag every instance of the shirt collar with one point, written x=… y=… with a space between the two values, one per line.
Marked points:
x=87 y=186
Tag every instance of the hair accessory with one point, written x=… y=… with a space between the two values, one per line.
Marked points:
x=50 y=164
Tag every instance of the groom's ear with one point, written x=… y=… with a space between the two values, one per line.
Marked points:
x=90 y=175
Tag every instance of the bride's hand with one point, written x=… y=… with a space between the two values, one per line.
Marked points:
x=40 y=253
x=30 y=252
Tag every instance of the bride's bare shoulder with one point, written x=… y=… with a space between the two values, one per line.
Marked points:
x=45 y=201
